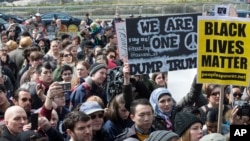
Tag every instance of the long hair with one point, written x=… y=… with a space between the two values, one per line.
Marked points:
x=113 y=108
x=186 y=135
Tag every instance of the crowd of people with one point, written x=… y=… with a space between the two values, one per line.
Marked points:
x=36 y=105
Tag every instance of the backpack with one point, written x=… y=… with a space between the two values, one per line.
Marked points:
x=87 y=93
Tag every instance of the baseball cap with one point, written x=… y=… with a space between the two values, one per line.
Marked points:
x=90 y=107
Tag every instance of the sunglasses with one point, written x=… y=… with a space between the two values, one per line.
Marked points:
x=67 y=55
x=237 y=94
x=215 y=93
x=96 y=115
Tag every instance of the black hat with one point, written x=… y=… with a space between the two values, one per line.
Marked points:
x=183 y=120
x=161 y=135
x=95 y=67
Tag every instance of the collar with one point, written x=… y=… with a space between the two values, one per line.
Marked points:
x=141 y=132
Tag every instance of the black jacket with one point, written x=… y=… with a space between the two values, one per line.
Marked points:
x=7 y=135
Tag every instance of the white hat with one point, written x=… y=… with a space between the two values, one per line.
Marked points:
x=38 y=14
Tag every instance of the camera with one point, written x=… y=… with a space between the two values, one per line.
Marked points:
x=244 y=108
x=66 y=86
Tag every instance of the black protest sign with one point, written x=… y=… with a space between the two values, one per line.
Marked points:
x=164 y=43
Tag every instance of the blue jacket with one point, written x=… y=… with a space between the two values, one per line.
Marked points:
x=112 y=129
x=80 y=94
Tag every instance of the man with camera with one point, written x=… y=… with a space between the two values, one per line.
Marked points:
x=240 y=115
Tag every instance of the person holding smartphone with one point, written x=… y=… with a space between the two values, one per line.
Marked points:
x=55 y=99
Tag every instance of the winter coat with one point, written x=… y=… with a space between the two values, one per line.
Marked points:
x=80 y=94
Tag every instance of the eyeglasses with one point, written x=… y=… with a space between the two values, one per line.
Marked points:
x=26 y=99
x=67 y=55
x=237 y=94
x=96 y=115
x=65 y=74
x=11 y=31
x=215 y=93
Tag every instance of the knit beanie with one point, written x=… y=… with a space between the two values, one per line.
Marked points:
x=161 y=135
x=184 y=120
x=213 y=137
x=95 y=67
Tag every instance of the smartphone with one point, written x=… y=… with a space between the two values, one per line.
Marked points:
x=34 y=121
x=66 y=86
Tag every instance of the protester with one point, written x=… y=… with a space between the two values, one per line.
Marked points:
x=78 y=126
x=141 y=112
x=97 y=76
x=96 y=113
x=188 y=126
x=13 y=126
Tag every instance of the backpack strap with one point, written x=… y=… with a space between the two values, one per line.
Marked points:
x=87 y=89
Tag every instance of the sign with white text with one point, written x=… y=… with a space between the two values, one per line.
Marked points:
x=121 y=34
x=160 y=44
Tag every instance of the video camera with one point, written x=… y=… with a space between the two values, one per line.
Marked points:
x=244 y=108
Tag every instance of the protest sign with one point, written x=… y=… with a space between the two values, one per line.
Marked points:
x=223 y=50
x=160 y=44
x=121 y=34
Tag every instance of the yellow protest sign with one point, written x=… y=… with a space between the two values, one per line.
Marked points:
x=223 y=50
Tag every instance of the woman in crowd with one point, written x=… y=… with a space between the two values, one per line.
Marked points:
x=160 y=79
x=66 y=58
x=233 y=93
x=73 y=50
x=117 y=118
x=212 y=92
x=162 y=103
x=188 y=126
x=53 y=54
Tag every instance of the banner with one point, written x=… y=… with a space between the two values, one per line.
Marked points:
x=223 y=50
x=160 y=44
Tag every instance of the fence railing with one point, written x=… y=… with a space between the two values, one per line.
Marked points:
x=107 y=11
